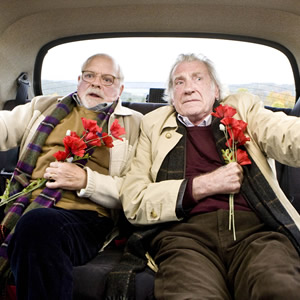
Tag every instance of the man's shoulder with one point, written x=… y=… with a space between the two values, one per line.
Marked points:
x=133 y=112
x=247 y=105
x=241 y=98
x=43 y=102
x=159 y=118
x=160 y=112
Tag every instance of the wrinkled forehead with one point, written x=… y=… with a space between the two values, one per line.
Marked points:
x=104 y=65
x=189 y=68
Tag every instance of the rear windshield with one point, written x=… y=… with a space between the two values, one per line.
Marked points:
x=146 y=62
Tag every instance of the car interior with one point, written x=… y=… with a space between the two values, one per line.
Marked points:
x=30 y=29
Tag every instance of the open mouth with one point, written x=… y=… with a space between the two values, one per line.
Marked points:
x=94 y=95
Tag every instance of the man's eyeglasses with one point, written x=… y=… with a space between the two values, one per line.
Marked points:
x=105 y=79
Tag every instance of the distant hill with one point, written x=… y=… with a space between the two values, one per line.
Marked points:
x=263 y=89
x=50 y=87
x=137 y=91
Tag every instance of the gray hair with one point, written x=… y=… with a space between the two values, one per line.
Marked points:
x=190 y=58
x=120 y=74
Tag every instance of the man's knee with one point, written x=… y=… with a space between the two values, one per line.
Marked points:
x=34 y=227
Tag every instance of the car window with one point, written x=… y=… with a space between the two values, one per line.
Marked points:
x=242 y=66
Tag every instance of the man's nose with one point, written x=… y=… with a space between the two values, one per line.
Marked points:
x=97 y=82
x=189 y=86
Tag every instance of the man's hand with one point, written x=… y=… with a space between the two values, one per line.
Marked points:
x=224 y=180
x=65 y=175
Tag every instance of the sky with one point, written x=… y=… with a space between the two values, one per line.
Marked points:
x=150 y=59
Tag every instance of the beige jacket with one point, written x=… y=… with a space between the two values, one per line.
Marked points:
x=18 y=126
x=273 y=135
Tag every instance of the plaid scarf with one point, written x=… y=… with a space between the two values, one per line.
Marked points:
x=23 y=171
x=255 y=189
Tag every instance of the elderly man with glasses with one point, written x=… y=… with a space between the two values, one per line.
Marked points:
x=65 y=222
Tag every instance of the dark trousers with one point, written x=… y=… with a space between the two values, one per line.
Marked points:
x=45 y=246
x=198 y=259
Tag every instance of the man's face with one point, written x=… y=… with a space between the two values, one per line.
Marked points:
x=93 y=93
x=194 y=92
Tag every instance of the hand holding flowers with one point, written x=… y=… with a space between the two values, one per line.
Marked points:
x=234 y=133
x=77 y=149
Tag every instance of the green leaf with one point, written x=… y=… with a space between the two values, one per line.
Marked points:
x=228 y=155
x=31 y=187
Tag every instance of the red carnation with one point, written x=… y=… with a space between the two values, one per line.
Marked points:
x=61 y=155
x=116 y=130
x=107 y=140
x=92 y=136
x=242 y=157
x=75 y=145
x=92 y=139
x=90 y=125
x=224 y=111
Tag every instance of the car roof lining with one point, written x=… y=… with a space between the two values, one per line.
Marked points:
x=26 y=26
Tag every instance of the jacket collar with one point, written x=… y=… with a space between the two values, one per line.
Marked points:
x=170 y=120
x=121 y=110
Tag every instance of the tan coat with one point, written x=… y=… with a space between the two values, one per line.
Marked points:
x=18 y=126
x=273 y=135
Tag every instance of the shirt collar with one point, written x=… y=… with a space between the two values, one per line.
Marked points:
x=186 y=122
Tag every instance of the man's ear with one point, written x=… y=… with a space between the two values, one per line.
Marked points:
x=121 y=89
x=78 y=80
x=217 y=93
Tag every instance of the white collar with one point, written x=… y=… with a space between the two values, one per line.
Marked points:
x=185 y=121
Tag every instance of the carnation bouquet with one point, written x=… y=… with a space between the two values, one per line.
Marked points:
x=234 y=133
x=76 y=150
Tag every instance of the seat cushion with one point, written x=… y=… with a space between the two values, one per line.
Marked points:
x=89 y=279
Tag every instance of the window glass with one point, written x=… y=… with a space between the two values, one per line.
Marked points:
x=146 y=62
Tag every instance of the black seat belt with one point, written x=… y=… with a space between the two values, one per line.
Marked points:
x=22 y=88
x=22 y=92
x=9 y=158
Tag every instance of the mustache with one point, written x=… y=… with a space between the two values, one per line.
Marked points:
x=94 y=92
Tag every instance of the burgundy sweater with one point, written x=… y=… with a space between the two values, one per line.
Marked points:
x=202 y=157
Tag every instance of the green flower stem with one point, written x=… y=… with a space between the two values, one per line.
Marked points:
x=229 y=156
x=31 y=187
x=231 y=215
